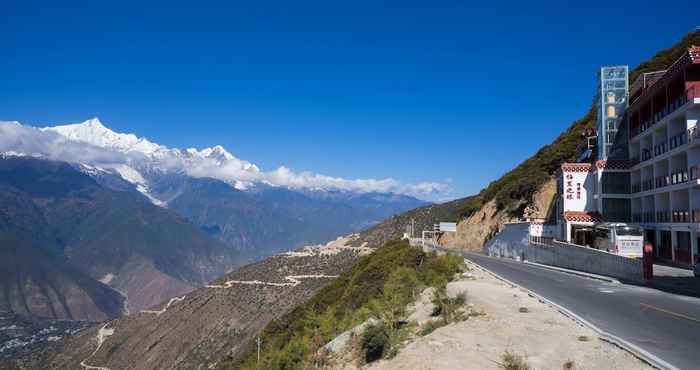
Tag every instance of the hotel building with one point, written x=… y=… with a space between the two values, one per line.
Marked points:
x=645 y=169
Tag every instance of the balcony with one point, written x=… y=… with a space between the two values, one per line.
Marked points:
x=662 y=181
x=682 y=216
x=679 y=177
x=663 y=216
x=695 y=215
x=695 y=172
x=647 y=185
x=678 y=140
x=675 y=104
x=648 y=217
x=636 y=188
x=660 y=149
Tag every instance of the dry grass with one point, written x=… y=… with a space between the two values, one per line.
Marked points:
x=512 y=361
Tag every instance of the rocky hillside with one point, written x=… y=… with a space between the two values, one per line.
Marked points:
x=66 y=240
x=200 y=328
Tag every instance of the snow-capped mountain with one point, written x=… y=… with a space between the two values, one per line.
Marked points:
x=143 y=161
x=93 y=144
x=231 y=199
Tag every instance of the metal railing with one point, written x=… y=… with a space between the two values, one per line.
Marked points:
x=690 y=94
x=681 y=216
x=662 y=181
x=679 y=177
x=678 y=140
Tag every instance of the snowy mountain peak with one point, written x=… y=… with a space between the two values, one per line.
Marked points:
x=218 y=152
x=94 y=132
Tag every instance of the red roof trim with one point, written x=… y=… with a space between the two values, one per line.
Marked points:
x=576 y=167
x=583 y=216
x=613 y=164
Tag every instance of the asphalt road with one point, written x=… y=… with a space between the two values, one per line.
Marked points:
x=663 y=324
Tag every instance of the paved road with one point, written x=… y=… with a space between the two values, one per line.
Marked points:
x=663 y=324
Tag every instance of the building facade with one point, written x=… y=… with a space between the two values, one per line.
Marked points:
x=647 y=170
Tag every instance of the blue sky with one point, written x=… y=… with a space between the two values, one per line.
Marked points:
x=416 y=91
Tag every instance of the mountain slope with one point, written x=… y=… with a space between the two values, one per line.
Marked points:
x=146 y=252
x=35 y=279
x=265 y=219
x=528 y=184
x=200 y=328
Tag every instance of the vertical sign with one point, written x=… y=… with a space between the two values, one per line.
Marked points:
x=577 y=184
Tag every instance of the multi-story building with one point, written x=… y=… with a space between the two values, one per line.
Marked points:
x=647 y=169
x=664 y=152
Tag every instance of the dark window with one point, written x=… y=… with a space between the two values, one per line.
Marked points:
x=616 y=182
x=616 y=210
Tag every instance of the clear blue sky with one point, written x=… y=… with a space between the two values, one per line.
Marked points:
x=417 y=91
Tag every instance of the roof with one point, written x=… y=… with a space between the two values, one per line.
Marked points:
x=583 y=216
x=692 y=56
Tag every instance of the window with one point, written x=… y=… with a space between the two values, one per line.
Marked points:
x=629 y=231
x=616 y=210
x=616 y=182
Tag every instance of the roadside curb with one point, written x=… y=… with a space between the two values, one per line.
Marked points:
x=604 y=336
x=574 y=272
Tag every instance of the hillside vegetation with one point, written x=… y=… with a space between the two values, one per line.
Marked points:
x=514 y=190
x=379 y=285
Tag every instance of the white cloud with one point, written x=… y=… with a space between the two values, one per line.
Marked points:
x=210 y=162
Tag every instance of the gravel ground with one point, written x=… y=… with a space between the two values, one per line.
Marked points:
x=515 y=322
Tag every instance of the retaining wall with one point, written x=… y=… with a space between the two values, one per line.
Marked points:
x=513 y=242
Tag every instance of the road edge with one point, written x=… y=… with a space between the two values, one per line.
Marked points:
x=633 y=349
x=574 y=272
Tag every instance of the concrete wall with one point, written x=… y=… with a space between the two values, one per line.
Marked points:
x=512 y=242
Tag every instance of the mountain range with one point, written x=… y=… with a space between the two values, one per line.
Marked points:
x=95 y=223
x=256 y=213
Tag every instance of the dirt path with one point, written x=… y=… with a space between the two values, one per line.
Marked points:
x=102 y=335
x=294 y=280
x=170 y=302
x=512 y=321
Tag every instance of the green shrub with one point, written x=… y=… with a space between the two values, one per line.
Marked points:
x=430 y=327
x=375 y=341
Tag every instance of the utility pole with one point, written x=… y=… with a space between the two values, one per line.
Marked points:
x=413 y=228
x=259 y=341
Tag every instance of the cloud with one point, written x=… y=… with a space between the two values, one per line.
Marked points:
x=31 y=141
x=211 y=162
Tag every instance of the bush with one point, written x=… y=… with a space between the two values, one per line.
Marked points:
x=511 y=361
x=379 y=285
x=448 y=308
x=375 y=341
x=430 y=327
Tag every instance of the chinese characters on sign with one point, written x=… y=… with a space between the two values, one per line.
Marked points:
x=569 y=187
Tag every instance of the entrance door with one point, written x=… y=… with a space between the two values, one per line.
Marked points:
x=664 y=250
